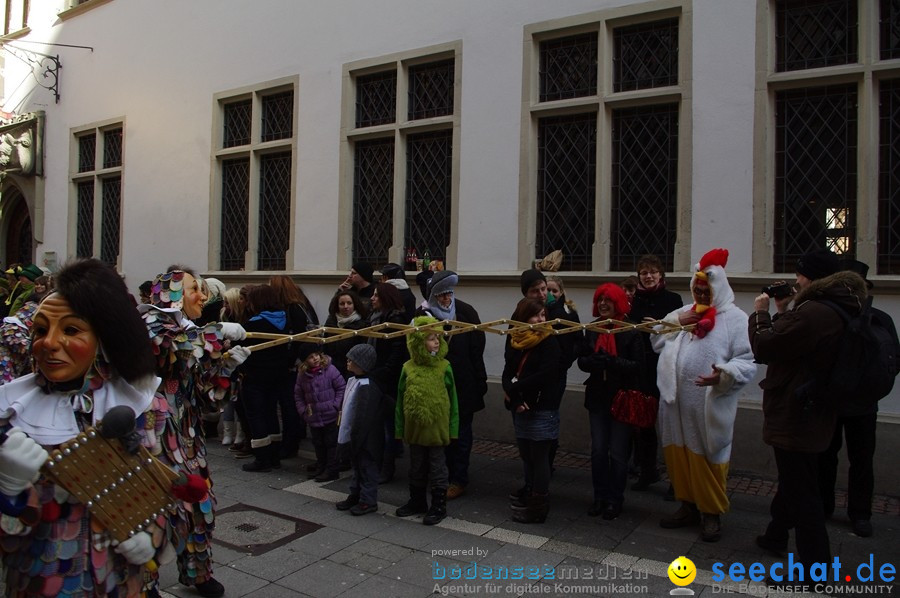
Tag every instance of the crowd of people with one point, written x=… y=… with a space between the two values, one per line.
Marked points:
x=75 y=345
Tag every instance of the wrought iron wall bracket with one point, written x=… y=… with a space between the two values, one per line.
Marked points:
x=44 y=68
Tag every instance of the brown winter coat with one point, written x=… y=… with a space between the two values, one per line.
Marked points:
x=796 y=344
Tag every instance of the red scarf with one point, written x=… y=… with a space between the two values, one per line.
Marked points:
x=606 y=342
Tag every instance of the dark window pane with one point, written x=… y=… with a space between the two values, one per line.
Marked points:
x=568 y=67
x=274 y=210
x=278 y=116
x=645 y=55
x=373 y=200
x=815 y=173
x=84 y=232
x=87 y=150
x=566 y=191
x=889 y=179
x=429 y=170
x=376 y=99
x=235 y=209
x=109 y=224
x=431 y=90
x=890 y=29
x=815 y=33
x=644 y=185
x=237 y=123
x=112 y=148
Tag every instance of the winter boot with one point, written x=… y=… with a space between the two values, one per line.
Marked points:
x=518 y=497
x=417 y=503
x=438 y=509
x=275 y=455
x=261 y=460
x=239 y=435
x=535 y=510
x=227 y=432
x=686 y=515
x=351 y=501
x=711 y=530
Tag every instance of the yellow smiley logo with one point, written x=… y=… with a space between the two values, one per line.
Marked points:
x=682 y=571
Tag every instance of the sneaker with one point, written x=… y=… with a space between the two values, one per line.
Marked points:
x=363 y=509
x=210 y=588
x=455 y=491
x=345 y=505
x=862 y=527
x=327 y=477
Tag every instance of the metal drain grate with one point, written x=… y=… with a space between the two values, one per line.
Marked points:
x=246 y=527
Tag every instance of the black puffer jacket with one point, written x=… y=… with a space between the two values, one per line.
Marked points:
x=538 y=379
x=795 y=345
x=609 y=374
x=390 y=354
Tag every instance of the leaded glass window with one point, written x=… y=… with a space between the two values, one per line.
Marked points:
x=644 y=185
x=815 y=33
x=373 y=193
x=645 y=55
x=274 y=210
x=568 y=67
x=235 y=211
x=816 y=173
x=431 y=90
x=889 y=179
x=278 y=116
x=112 y=148
x=87 y=149
x=237 y=119
x=566 y=194
x=110 y=218
x=376 y=99
x=890 y=29
x=429 y=169
x=84 y=227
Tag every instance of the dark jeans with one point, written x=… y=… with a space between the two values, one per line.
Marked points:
x=324 y=441
x=393 y=447
x=535 y=456
x=427 y=464
x=259 y=396
x=609 y=457
x=646 y=445
x=798 y=505
x=364 y=482
x=459 y=451
x=860 y=434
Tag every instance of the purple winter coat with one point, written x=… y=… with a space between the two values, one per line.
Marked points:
x=319 y=395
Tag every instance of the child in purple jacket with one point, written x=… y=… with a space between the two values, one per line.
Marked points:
x=319 y=394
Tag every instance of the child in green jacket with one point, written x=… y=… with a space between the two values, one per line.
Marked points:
x=427 y=418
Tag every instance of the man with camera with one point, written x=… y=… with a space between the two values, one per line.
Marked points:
x=798 y=420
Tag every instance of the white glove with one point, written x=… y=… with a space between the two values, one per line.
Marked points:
x=232 y=331
x=236 y=356
x=20 y=462
x=138 y=549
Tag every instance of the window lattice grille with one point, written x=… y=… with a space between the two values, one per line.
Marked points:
x=87 y=150
x=568 y=67
x=373 y=192
x=890 y=29
x=84 y=231
x=237 y=123
x=110 y=218
x=429 y=170
x=112 y=148
x=376 y=99
x=278 y=116
x=644 y=185
x=889 y=179
x=235 y=209
x=815 y=180
x=566 y=191
x=815 y=33
x=645 y=55
x=274 y=210
x=431 y=90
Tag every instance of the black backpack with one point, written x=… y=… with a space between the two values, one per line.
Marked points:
x=867 y=360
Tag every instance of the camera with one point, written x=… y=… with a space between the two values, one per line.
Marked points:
x=779 y=290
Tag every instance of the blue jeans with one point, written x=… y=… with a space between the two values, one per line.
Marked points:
x=364 y=482
x=609 y=457
x=459 y=451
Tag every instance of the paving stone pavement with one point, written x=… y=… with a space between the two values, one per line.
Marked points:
x=280 y=536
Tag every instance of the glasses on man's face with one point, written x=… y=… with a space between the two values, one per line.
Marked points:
x=648 y=272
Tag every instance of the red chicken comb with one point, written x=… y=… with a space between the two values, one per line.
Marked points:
x=714 y=257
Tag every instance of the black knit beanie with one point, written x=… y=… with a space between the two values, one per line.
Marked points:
x=528 y=278
x=818 y=264
x=364 y=270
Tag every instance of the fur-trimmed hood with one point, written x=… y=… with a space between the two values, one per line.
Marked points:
x=415 y=343
x=847 y=289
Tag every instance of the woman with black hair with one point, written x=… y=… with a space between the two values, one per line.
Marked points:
x=192 y=362
x=91 y=354
x=347 y=312
x=390 y=355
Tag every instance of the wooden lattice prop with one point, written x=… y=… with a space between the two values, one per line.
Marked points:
x=123 y=491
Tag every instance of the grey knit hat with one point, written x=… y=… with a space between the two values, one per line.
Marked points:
x=363 y=356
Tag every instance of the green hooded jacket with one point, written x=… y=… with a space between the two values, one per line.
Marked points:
x=427 y=412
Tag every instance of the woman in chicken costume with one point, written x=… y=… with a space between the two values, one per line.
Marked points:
x=699 y=375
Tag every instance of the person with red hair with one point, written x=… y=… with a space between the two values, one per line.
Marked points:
x=615 y=362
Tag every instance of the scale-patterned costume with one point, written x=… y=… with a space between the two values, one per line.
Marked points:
x=15 y=343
